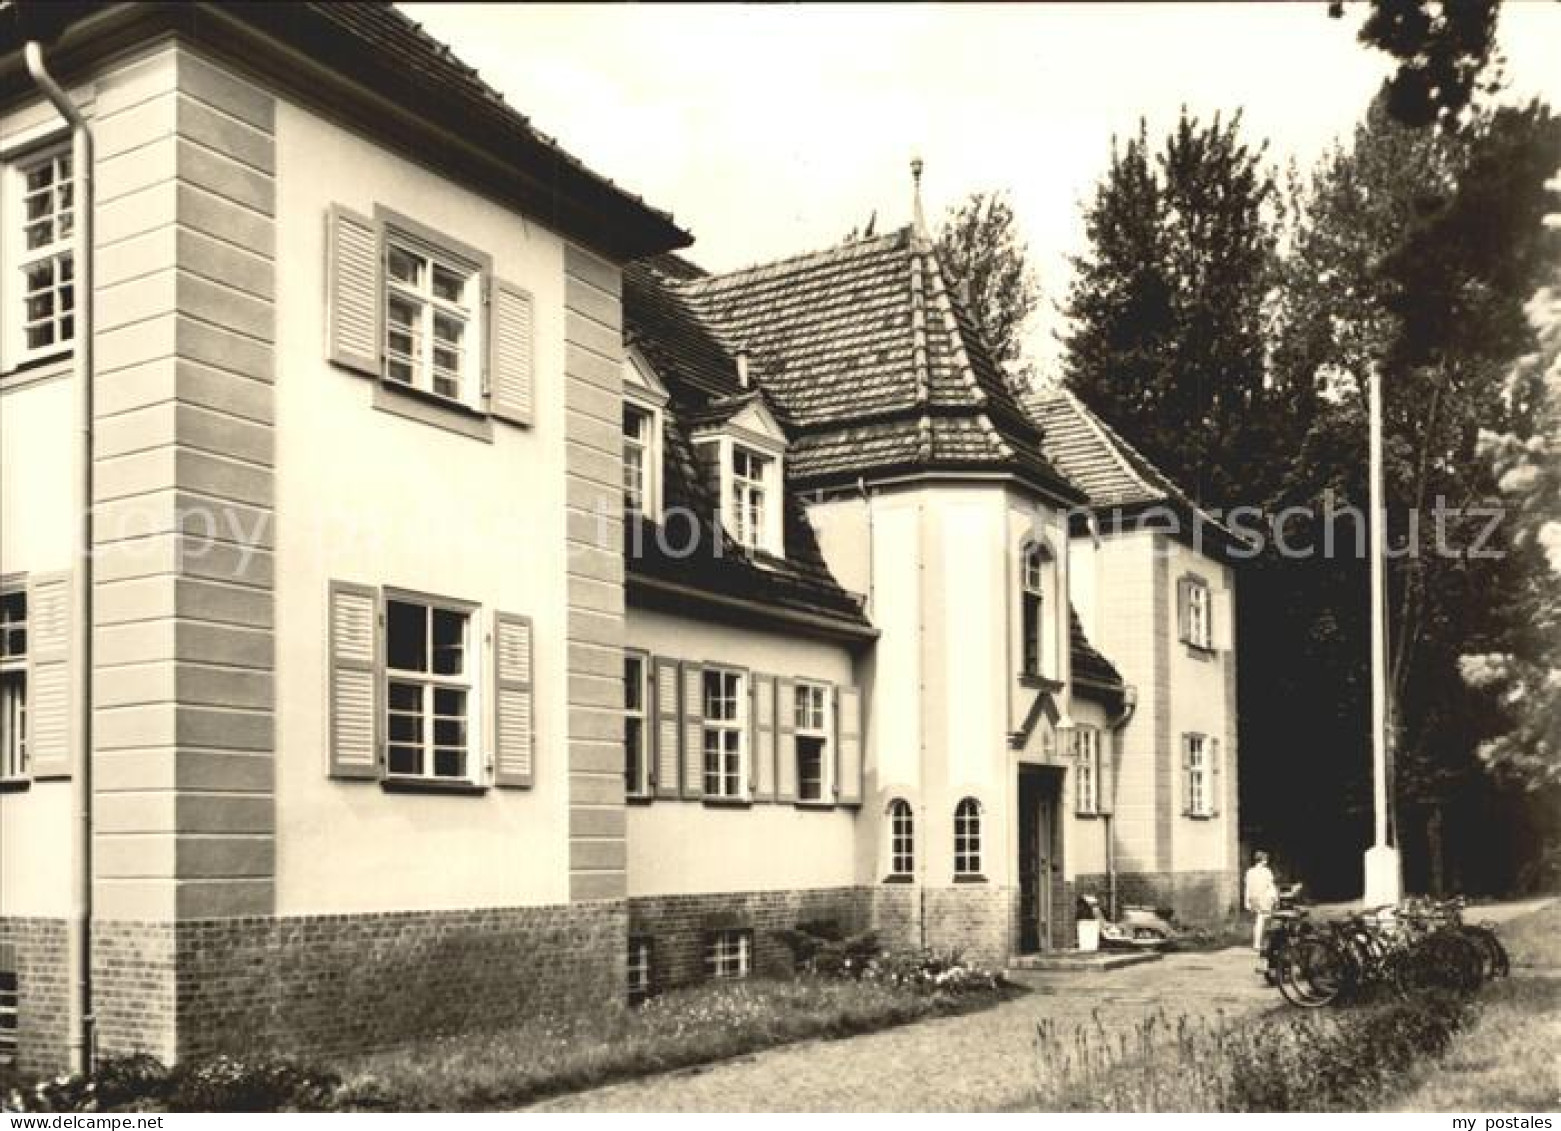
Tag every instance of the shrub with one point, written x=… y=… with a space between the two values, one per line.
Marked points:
x=220 y=1083
x=823 y=948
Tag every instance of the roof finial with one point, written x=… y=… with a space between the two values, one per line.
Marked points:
x=918 y=218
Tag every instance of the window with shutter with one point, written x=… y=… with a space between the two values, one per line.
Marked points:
x=811 y=725
x=1086 y=745
x=722 y=737
x=848 y=746
x=13 y=684
x=636 y=726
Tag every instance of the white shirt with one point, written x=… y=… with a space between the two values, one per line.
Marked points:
x=1262 y=894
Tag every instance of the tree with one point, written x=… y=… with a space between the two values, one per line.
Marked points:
x=980 y=245
x=1167 y=309
x=1443 y=47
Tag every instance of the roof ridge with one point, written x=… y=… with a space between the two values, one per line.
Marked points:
x=717 y=279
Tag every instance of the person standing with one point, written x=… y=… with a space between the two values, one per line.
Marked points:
x=1262 y=894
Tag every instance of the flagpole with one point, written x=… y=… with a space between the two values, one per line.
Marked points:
x=1383 y=876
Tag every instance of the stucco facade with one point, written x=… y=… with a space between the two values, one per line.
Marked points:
x=271 y=504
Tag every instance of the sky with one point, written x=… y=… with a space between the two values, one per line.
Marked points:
x=773 y=130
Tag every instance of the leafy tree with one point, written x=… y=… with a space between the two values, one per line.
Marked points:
x=1168 y=308
x=980 y=245
x=1443 y=47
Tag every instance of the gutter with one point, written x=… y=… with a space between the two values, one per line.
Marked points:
x=80 y=1034
x=823 y=624
x=1115 y=726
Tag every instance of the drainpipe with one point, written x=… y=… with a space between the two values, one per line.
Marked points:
x=1115 y=726
x=79 y=929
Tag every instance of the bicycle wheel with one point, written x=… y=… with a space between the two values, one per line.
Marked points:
x=1315 y=973
x=1493 y=955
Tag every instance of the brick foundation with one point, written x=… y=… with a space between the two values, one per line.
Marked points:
x=37 y=950
x=1197 y=897
x=330 y=984
x=980 y=921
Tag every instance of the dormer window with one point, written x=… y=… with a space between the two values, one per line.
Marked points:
x=637 y=471
x=743 y=461
x=644 y=399
x=750 y=500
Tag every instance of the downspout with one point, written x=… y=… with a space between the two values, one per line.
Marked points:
x=1115 y=726
x=81 y=1037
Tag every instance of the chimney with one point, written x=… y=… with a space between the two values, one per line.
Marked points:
x=918 y=219
x=742 y=368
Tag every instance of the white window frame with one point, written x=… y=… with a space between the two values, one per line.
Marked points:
x=967 y=837
x=470 y=310
x=1200 y=614
x=636 y=784
x=729 y=954
x=14 y=760
x=902 y=838
x=751 y=497
x=813 y=717
x=1036 y=566
x=14 y=166
x=10 y=1002
x=730 y=733
x=1086 y=762
x=469 y=681
x=649 y=449
x=1200 y=803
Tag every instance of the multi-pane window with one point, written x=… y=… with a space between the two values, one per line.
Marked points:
x=1199 y=615
x=429 y=688
x=811 y=724
x=636 y=765
x=13 y=684
x=9 y=998
x=967 y=838
x=430 y=337
x=46 y=261
x=1200 y=799
x=729 y=954
x=1032 y=596
x=1086 y=748
x=637 y=449
x=750 y=497
x=902 y=838
x=640 y=975
x=724 y=701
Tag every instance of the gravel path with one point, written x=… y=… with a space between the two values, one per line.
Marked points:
x=981 y=1061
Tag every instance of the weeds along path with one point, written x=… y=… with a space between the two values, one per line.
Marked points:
x=982 y=1061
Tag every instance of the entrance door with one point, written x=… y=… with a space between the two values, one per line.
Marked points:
x=1037 y=857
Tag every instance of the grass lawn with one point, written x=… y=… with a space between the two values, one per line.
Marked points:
x=506 y=1069
x=1507 y=1060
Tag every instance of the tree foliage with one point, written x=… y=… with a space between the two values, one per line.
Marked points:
x=1168 y=308
x=1442 y=48
x=980 y=245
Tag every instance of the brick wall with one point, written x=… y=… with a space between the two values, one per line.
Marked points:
x=678 y=925
x=1197 y=897
x=36 y=950
x=327 y=984
x=978 y=920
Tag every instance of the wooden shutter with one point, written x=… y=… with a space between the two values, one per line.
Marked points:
x=763 y=716
x=1080 y=748
x=1222 y=635
x=1184 y=609
x=354 y=306
x=1105 y=787
x=355 y=680
x=1212 y=753
x=848 y=745
x=668 y=735
x=1186 y=775
x=49 y=698
x=514 y=730
x=693 y=785
x=786 y=731
x=511 y=351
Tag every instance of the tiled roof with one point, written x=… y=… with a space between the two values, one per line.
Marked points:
x=1112 y=472
x=1089 y=663
x=701 y=380
x=873 y=363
